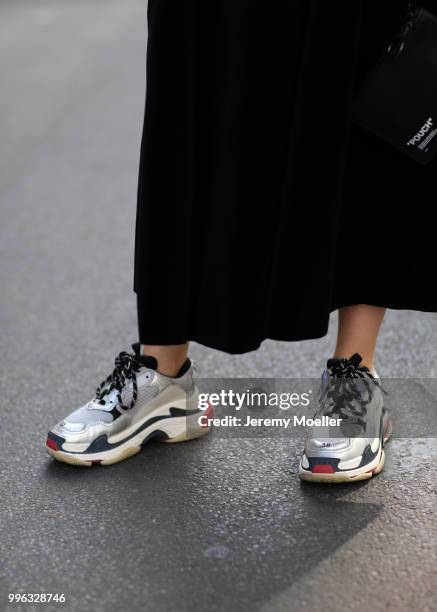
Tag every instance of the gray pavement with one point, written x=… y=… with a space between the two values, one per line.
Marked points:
x=218 y=524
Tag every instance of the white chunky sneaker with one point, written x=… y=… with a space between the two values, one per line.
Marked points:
x=351 y=447
x=134 y=404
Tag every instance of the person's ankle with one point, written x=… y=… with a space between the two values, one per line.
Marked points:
x=170 y=359
x=170 y=369
x=366 y=360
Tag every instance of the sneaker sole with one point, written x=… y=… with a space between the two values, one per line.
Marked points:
x=168 y=431
x=350 y=475
x=338 y=477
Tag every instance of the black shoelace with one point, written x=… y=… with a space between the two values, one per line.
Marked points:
x=349 y=389
x=126 y=368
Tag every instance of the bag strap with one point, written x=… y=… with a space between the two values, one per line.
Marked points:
x=398 y=45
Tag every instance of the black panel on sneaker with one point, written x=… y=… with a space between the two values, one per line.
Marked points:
x=146 y=360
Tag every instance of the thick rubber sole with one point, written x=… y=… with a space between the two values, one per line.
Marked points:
x=169 y=431
x=365 y=473
x=338 y=477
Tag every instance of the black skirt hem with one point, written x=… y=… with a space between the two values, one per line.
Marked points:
x=241 y=346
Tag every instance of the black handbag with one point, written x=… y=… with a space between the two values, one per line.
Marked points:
x=398 y=99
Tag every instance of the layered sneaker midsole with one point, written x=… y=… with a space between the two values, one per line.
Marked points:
x=317 y=468
x=174 y=422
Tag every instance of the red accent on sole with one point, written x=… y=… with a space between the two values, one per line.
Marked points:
x=323 y=469
x=209 y=413
x=96 y=461
x=52 y=444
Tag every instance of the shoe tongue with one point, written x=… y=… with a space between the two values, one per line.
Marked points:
x=147 y=360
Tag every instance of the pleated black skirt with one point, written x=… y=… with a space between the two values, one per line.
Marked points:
x=261 y=206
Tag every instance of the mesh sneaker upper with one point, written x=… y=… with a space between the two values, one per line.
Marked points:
x=100 y=411
x=133 y=383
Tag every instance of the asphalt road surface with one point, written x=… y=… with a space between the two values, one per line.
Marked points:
x=217 y=524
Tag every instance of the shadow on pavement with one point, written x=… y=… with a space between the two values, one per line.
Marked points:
x=208 y=525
